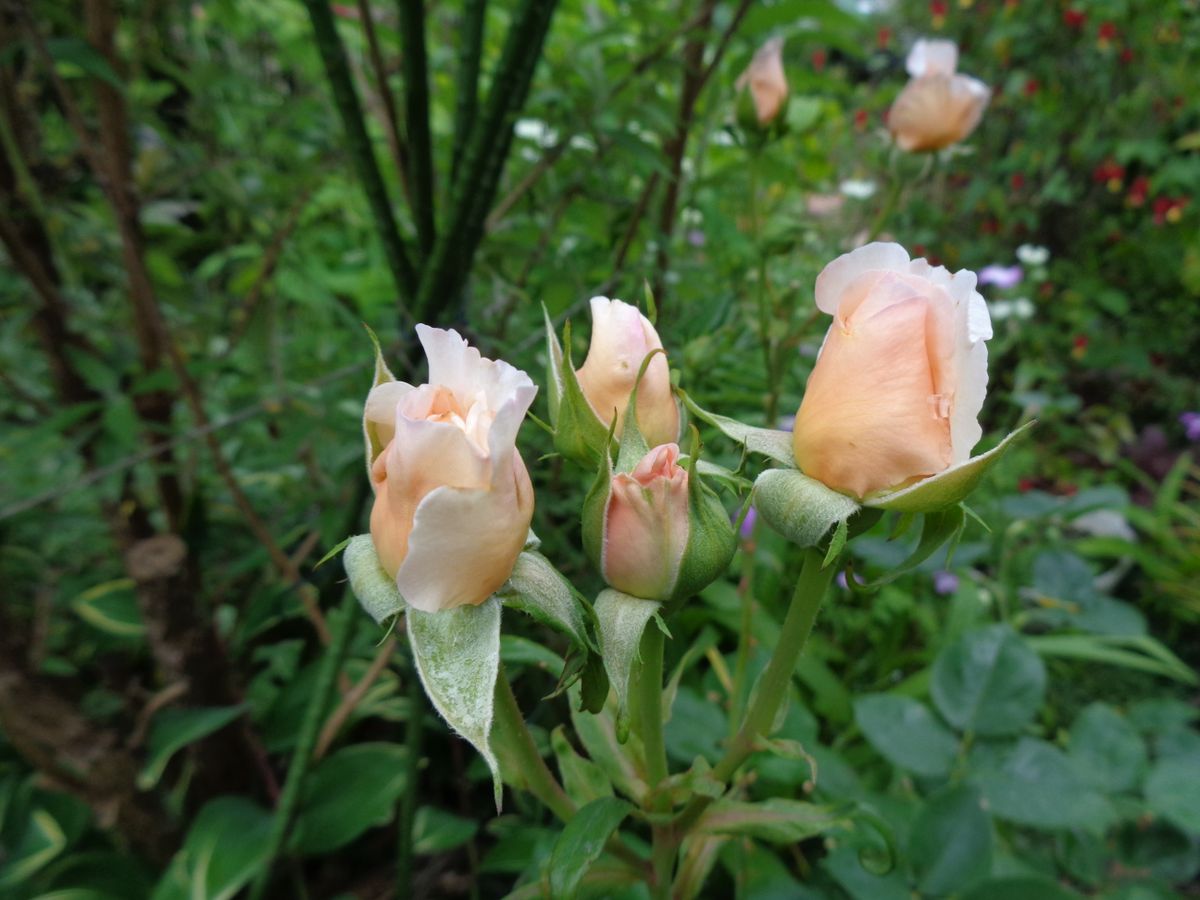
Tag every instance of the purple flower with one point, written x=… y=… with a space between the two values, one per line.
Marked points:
x=841 y=580
x=945 y=583
x=1003 y=277
x=1191 y=425
x=747 y=529
x=696 y=238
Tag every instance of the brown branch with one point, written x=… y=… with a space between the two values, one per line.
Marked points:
x=695 y=76
x=353 y=697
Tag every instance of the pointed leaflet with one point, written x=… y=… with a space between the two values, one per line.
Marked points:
x=537 y=588
x=457 y=652
x=937 y=528
x=579 y=434
x=375 y=589
x=946 y=488
x=767 y=441
x=621 y=619
x=581 y=843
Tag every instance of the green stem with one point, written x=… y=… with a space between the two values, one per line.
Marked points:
x=760 y=292
x=416 y=119
x=514 y=743
x=649 y=705
x=405 y=871
x=774 y=683
x=475 y=187
x=466 y=94
x=885 y=211
x=310 y=725
x=337 y=71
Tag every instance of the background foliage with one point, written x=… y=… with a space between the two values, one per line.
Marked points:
x=183 y=375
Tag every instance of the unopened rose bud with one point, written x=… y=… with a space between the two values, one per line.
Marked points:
x=622 y=338
x=453 y=500
x=766 y=82
x=896 y=391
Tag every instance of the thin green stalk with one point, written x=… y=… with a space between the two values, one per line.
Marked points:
x=885 y=211
x=475 y=187
x=745 y=635
x=337 y=71
x=774 y=683
x=310 y=726
x=649 y=706
x=466 y=93
x=405 y=871
x=760 y=292
x=416 y=119
x=512 y=740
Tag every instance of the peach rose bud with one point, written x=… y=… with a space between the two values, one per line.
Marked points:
x=621 y=339
x=937 y=107
x=897 y=388
x=766 y=80
x=453 y=500
x=646 y=526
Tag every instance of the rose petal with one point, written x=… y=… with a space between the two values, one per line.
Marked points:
x=838 y=275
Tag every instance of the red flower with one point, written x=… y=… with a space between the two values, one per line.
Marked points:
x=1111 y=173
x=1107 y=32
x=1079 y=346
x=883 y=37
x=937 y=13
x=1074 y=18
x=1126 y=56
x=1138 y=191
x=819 y=58
x=860 y=120
x=1169 y=210
x=1031 y=87
x=1025 y=485
x=1017 y=181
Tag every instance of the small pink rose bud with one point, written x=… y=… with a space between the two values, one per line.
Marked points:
x=646 y=526
x=937 y=107
x=621 y=339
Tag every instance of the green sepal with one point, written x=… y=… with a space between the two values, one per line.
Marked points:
x=554 y=364
x=595 y=508
x=621 y=619
x=800 y=508
x=538 y=589
x=633 y=446
x=937 y=528
x=948 y=488
x=593 y=684
x=375 y=589
x=769 y=442
x=579 y=433
x=457 y=654
x=712 y=540
x=382 y=376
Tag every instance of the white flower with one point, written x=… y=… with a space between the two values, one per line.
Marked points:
x=1033 y=255
x=857 y=190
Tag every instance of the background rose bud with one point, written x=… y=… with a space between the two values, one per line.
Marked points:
x=766 y=81
x=896 y=391
x=453 y=500
x=646 y=526
x=937 y=107
x=621 y=339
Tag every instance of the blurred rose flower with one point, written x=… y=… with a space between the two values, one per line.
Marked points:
x=937 y=107
x=621 y=339
x=1138 y=191
x=1003 y=277
x=453 y=500
x=766 y=80
x=1169 y=210
x=896 y=391
x=1074 y=18
x=1109 y=173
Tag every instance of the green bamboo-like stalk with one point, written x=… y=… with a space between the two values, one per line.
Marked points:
x=475 y=187
x=408 y=802
x=416 y=118
x=774 y=682
x=466 y=94
x=310 y=726
x=337 y=71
